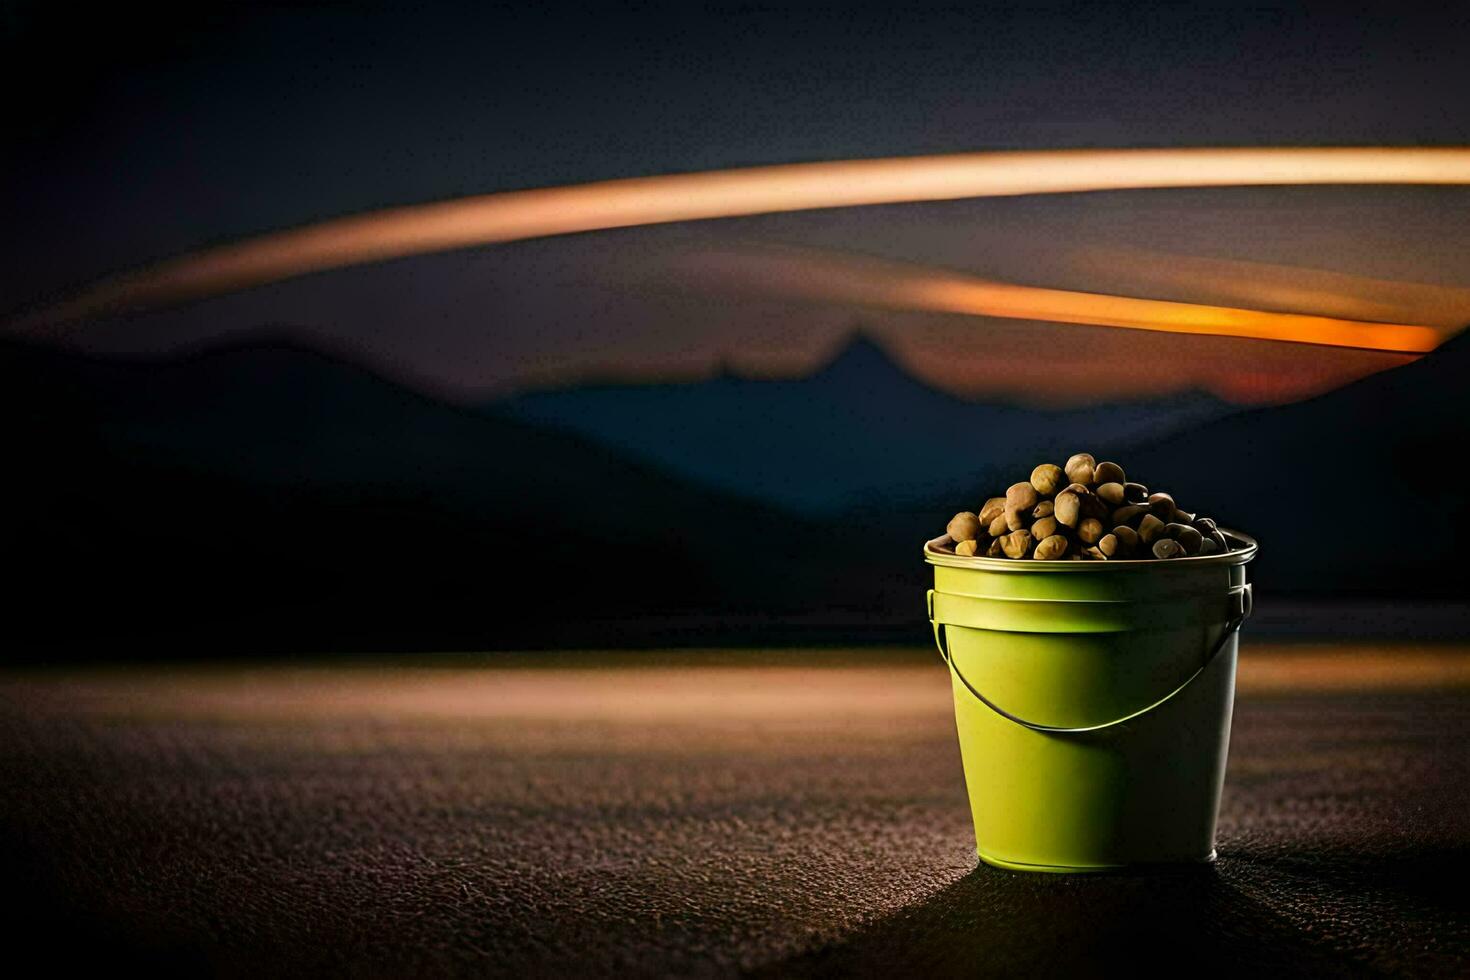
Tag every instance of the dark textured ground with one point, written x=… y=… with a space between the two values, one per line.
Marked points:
x=793 y=817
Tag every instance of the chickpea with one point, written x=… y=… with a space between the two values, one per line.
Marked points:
x=1046 y=478
x=1052 y=548
x=1064 y=512
x=1188 y=537
x=1127 y=539
x=1021 y=496
x=1129 y=514
x=1068 y=508
x=1161 y=505
x=1079 y=468
x=1090 y=531
x=1168 y=548
x=1017 y=544
x=963 y=526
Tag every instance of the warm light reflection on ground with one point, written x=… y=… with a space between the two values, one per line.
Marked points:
x=826 y=688
x=511 y=216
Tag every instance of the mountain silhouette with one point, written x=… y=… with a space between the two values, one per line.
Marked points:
x=273 y=498
x=858 y=433
x=276 y=497
x=1358 y=491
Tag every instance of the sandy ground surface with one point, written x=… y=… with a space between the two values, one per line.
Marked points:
x=785 y=813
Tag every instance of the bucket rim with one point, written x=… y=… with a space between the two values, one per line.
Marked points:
x=934 y=553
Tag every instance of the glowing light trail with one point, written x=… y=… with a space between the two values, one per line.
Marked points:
x=830 y=276
x=424 y=228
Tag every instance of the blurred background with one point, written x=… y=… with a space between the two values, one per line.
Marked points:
x=721 y=432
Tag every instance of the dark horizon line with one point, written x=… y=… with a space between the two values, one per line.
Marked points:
x=291 y=339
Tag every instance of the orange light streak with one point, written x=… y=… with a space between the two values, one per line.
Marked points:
x=978 y=297
x=503 y=217
x=1238 y=282
x=896 y=286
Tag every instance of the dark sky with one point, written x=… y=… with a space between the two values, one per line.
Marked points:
x=148 y=135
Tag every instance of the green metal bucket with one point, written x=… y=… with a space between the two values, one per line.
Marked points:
x=1093 y=702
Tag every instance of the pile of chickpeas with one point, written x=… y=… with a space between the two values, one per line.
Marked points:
x=1084 y=510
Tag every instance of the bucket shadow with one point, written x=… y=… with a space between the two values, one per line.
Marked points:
x=1427 y=879
x=1207 y=921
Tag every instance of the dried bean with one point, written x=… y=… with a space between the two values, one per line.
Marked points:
x=1022 y=496
x=1036 y=519
x=963 y=526
x=1046 y=478
x=1129 y=514
x=1186 y=536
x=994 y=507
x=1161 y=505
x=1051 y=548
x=1068 y=508
x=1127 y=539
x=1167 y=548
x=1080 y=467
x=1017 y=544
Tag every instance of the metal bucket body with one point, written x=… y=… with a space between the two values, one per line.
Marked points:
x=1093 y=703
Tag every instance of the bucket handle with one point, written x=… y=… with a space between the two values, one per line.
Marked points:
x=1243 y=604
